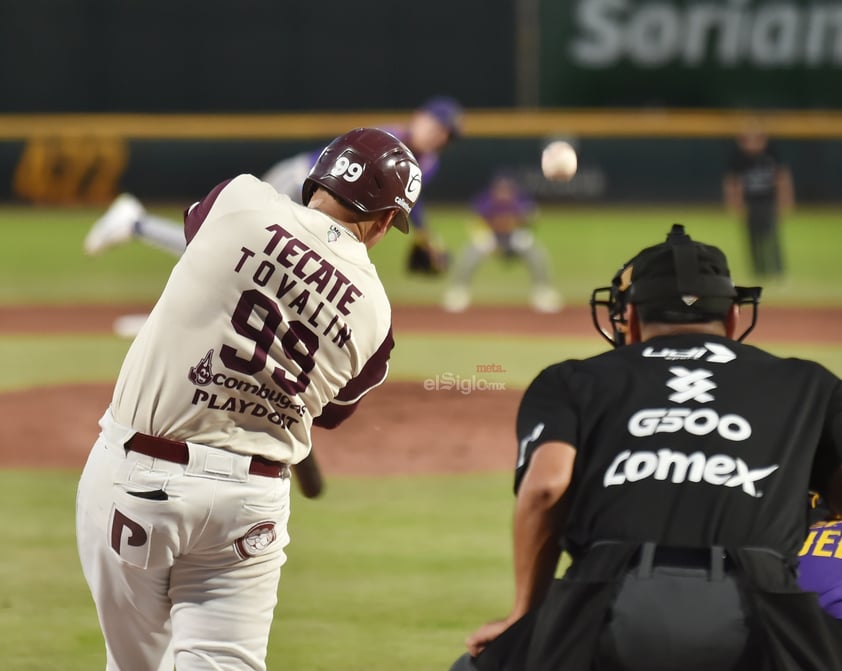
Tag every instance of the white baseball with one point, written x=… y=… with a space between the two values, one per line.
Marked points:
x=559 y=161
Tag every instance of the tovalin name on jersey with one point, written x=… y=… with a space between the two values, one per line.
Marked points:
x=665 y=464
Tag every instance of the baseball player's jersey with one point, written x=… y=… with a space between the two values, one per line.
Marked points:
x=272 y=319
x=820 y=565
x=709 y=441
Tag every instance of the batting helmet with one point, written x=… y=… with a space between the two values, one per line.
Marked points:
x=369 y=170
x=678 y=281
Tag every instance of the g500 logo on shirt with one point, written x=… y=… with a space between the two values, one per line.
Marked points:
x=719 y=469
x=689 y=385
x=699 y=422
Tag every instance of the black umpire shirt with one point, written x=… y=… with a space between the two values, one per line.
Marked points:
x=758 y=174
x=689 y=440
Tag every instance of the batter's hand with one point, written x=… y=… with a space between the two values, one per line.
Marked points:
x=308 y=474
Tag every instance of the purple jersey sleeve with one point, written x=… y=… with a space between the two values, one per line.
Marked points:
x=820 y=565
x=488 y=207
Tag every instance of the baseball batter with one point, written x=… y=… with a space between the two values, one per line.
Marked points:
x=273 y=320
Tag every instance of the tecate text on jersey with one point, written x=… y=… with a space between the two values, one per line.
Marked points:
x=314 y=273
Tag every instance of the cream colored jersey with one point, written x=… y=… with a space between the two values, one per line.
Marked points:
x=273 y=317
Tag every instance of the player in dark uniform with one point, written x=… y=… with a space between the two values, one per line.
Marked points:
x=672 y=469
x=758 y=187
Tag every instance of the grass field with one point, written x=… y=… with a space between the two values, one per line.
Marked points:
x=383 y=573
x=44 y=263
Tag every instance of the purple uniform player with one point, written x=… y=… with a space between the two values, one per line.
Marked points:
x=504 y=216
x=820 y=560
x=429 y=130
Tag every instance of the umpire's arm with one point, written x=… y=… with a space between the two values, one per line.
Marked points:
x=539 y=517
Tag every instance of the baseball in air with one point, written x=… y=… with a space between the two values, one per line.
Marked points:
x=559 y=161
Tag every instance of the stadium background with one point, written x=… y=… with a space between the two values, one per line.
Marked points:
x=263 y=60
x=165 y=99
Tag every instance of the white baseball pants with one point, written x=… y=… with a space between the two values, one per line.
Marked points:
x=183 y=561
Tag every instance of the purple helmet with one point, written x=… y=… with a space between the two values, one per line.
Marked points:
x=370 y=170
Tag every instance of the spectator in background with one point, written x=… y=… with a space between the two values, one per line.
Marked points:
x=758 y=187
x=429 y=130
x=504 y=219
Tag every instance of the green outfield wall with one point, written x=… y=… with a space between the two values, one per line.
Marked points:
x=625 y=155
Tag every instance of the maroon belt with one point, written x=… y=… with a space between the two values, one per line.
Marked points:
x=177 y=452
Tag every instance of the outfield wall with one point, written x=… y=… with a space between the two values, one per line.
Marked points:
x=625 y=156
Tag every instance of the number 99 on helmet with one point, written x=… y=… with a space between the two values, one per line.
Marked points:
x=369 y=170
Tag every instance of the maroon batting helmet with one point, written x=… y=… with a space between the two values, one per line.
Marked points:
x=370 y=170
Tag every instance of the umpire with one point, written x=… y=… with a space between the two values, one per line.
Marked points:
x=673 y=470
x=758 y=187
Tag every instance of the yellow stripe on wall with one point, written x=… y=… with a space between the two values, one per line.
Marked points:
x=478 y=124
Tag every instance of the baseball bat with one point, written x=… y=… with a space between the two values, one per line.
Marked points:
x=308 y=474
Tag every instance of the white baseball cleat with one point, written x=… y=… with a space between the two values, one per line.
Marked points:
x=456 y=299
x=116 y=226
x=546 y=299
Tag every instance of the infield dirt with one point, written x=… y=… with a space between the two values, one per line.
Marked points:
x=399 y=428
